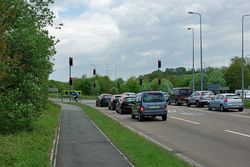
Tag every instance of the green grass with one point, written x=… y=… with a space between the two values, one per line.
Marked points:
x=33 y=148
x=141 y=152
x=246 y=103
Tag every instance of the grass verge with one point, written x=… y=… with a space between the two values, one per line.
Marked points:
x=31 y=148
x=141 y=152
x=246 y=103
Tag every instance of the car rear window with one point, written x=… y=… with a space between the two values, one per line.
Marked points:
x=153 y=97
x=233 y=97
x=107 y=97
x=130 y=99
x=185 y=92
x=117 y=97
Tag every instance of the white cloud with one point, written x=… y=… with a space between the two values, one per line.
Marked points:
x=135 y=33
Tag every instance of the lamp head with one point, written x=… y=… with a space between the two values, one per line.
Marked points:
x=190 y=12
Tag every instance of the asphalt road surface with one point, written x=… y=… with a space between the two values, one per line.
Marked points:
x=211 y=138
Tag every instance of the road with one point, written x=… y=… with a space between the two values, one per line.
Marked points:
x=211 y=138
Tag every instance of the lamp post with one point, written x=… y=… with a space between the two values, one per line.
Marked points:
x=242 y=58
x=200 y=46
x=193 y=57
x=116 y=67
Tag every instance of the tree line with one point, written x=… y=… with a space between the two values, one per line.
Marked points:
x=171 y=77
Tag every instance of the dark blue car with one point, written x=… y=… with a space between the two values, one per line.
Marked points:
x=150 y=103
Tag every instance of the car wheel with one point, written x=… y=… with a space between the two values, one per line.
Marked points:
x=176 y=102
x=169 y=102
x=209 y=107
x=132 y=116
x=240 y=109
x=222 y=107
x=164 y=117
x=141 y=118
x=197 y=104
x=109 y=107
x=188 y=104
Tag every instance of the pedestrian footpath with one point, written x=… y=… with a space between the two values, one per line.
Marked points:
x=81 y=144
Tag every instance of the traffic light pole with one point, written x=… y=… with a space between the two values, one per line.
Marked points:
x=70 y=78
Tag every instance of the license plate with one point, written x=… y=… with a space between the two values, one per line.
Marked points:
x=154 y=107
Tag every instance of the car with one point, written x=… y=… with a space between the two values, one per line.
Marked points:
x=179 y=95
x=166 y=95
x=246 y=93
x=225 y=101
x=102 y=100
x=199 y=98
x=149 y=103
x=124 y=103
x=113 y=101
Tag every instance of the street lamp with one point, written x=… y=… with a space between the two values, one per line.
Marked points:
x=193 y=57
x=200 y=46
x=242 y=58
x=116 y=66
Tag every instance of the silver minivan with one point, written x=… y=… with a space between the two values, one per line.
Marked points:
x=149 y=103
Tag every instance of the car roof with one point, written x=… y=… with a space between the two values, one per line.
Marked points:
x=228 y=94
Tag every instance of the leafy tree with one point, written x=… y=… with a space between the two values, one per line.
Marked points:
x=26 y=50
x=132 y=85
x=197 y=81
x=216 y=77
x=165 y=86
x=233 y=74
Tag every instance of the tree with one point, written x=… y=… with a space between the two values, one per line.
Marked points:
x=197 y=81
x=216 y=77
x=26 y=50
x=165 y=86
x=132 y=85
x=233 y=74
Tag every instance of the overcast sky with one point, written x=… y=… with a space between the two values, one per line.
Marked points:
x=133 y=34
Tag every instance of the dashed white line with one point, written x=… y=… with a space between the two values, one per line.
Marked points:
x=187 y=114
x=196 y=123
x=242 y=116
x=237 y=133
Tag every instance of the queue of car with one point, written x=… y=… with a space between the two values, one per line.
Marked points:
x=154 y=103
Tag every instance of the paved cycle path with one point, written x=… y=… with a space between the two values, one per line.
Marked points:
x=81 y=144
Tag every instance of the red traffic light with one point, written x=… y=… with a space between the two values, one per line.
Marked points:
x=159 y=63
x=71 y=61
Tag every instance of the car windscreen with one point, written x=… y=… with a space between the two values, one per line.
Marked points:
x=233 y=97
x=185 y=92
x=153 y=97
x=130 y=99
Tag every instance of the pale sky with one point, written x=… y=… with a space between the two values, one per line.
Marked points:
x=133 y=34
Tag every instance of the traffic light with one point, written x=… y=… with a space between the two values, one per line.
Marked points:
x=70 y=81
x=159 y=81
x=94 y=85
x=71 y=61
x=159 y=63
x=140 y=81
x=94 y=71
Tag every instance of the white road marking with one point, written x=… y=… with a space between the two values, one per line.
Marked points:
x=237 y=133
x=242 y=116
x=187 y=114
x=197 y=123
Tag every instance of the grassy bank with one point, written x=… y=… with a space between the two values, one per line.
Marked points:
x=31 y=148
x=246 y=103
x=140 y=151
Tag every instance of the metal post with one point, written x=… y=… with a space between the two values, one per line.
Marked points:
x=242 y=58
x=202 y=78
x=193 y=57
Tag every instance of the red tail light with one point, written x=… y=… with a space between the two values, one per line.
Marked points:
x=225 y=100
x=166 y=109
x=142 y=109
